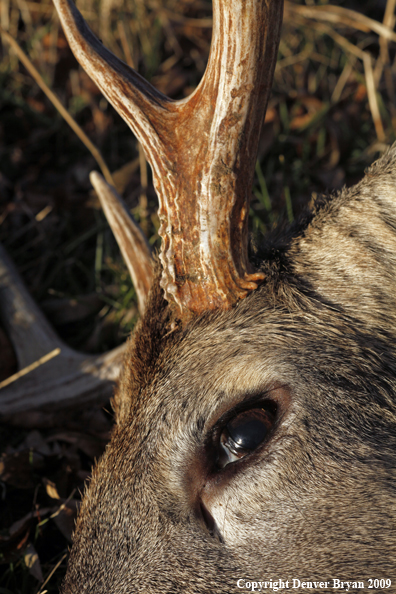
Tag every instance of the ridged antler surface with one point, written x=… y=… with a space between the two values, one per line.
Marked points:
x=202 y=149
x=131 y=241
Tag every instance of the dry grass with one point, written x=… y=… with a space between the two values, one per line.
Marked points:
x=331 y=113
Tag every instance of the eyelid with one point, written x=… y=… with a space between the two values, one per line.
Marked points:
x=226 y=406
x=259 y=401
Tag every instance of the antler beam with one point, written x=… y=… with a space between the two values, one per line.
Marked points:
x=68 y=379
x=202 y=149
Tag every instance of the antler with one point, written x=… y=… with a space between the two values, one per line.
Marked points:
x=202 y=149
x=67 y=379
x=51 y=373
x=131 y=241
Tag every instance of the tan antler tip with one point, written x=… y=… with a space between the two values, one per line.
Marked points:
x=131 y=241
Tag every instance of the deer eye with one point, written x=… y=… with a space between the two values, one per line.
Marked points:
x=243 y=434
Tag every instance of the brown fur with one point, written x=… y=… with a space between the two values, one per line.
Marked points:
x=318 y=501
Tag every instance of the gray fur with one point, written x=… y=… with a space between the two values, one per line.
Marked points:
x=318 y=500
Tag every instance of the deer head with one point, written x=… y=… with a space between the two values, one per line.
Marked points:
x=256 y=417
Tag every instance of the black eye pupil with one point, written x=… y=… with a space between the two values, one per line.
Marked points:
x=243 y=434
x=247 y=433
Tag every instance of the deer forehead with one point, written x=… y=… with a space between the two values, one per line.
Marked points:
x=214 y=366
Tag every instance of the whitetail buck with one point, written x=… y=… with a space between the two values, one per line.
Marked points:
x=256 y=413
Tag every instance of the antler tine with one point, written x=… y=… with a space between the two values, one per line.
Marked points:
x=29 y=331
x=131 y=241
x=137 y=101
x=68 y=379
x=201 y=149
